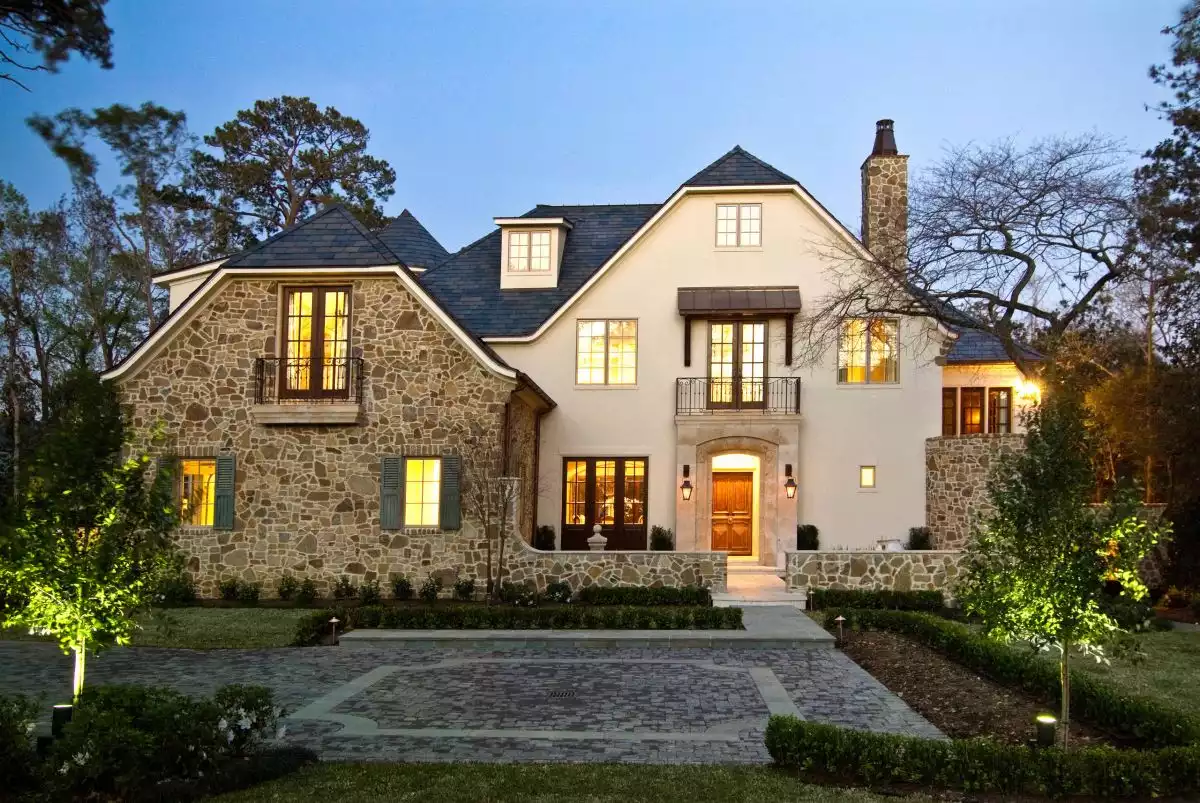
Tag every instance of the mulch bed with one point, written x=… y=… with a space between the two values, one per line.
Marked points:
x=959 y=702
x=1177 y=614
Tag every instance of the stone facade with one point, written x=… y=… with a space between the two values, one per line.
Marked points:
x=898 y=571
x=956 y=475
x=885 y=207
x=529 y=566
x=521 y=433
x=307 y=497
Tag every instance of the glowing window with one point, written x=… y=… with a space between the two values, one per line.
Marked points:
x=866 y=476
x=197 y=492
x=422 y=491
x=867 y=351
x=606 y=352
x=528 y=251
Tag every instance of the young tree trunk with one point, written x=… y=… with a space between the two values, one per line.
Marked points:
x=80 y=650
x=1064 y=671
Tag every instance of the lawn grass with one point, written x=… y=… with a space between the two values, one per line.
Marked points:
x=544 y=783
x=208 y=628
x=1170 y=675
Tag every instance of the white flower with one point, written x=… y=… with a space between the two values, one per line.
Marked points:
x=222 y=724
x=279 y=734
x=229 y=736
x=244 y=723
x=81 y=758
x=64 y=769
x=29 y=727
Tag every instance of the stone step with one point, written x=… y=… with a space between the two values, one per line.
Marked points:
x=736 y=599
x=753 y=568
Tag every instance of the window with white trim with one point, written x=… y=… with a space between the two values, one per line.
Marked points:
x=739 y=225
x=606 y=352
x=529 y=251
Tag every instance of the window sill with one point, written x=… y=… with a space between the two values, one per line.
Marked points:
x=870 y=385
x=306 y=413
x=605 y=387
x=868 y=490
x=737 y=249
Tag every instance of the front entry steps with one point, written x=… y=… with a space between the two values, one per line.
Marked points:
x=749 y=584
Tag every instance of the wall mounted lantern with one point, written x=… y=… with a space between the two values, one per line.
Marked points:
x=686 y=487
x=790 y=485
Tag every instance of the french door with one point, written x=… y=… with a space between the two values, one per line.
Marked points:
x=316 y=347
x=609 y=491
x=737 y=364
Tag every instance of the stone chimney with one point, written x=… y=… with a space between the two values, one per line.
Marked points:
x=885 y=198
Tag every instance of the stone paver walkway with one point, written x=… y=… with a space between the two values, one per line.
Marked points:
x=514 y=704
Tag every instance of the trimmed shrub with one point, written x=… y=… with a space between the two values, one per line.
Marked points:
x=822 y=598
x=307 y=593
x=544 y=538
x=979 y=766
x=228 y=589
x=1177 y=598
x=1092 y=700
x=662 y=539
x=287 y=587
x=18 y=761
x=344 y=589
x=919 y=538
x=369 y=593
x=176 y=590
x=523 y=596
x=248 y=593
x=430 y=588
x=311 y=629
x=642 y=595
x=808 y=537
x=558 y=591
x=401 y=588
x=464 y=588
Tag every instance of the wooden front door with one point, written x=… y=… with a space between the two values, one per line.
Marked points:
x=733 y=512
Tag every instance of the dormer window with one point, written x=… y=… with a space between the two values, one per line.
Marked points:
x=529 y=251
x=739 y=225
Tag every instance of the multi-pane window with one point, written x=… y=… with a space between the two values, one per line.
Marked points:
x=606 y=352
x=576 y=491
x=972 y=411
x=737 y=363
x=867 y=351
x=609 y=491
x=197 y=491
x=739 y=225
x=999 y=410
x=635 y=492
x=422 y=491
x=316 y=342
x=606 y=492
x=949 y=411
x=528 y=251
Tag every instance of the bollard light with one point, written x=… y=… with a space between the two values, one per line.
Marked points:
x=841 y=620
x=334 y=623
x=59 y=718
x=1046 y=730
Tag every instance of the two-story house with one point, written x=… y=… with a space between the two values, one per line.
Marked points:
x=329 y=391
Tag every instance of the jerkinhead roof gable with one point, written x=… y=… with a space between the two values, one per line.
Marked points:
x=738 y=168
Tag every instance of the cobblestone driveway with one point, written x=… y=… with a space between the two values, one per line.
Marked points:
x=517 y=704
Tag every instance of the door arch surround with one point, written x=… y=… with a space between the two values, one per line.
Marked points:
x=768 y=462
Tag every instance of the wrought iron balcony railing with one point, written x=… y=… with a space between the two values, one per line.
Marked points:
x=699 y=395
x=281 y=380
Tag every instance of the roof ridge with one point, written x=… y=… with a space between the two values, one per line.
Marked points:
x=286 y=230
x=370 y=236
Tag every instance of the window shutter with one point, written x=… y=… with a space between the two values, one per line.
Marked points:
x=391 y=492
x=449 y=507
x=223 y=501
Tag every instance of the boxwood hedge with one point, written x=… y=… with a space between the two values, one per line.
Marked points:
x=822 y=598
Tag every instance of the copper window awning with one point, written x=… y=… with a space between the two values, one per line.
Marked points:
x=724 y=301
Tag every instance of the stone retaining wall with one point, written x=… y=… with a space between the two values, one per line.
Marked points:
x=897 y=571
x=581 y=569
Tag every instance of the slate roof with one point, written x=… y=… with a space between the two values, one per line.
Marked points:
x=974 y=346
x=736 y=168
x=468 y=283
x=331 y=238
x=412 y=242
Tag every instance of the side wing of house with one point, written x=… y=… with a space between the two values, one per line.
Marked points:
x=327 y=415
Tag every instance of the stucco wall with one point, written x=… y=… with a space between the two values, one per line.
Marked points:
x=956 y=475
x=307 y=497
x=899 y=571
x=842 y=427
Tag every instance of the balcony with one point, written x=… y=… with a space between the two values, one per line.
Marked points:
x=704 y=396
x=307 y=391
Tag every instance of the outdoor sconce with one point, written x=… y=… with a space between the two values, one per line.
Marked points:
x=790 y=485
x=1046 y=730
x=686 y=487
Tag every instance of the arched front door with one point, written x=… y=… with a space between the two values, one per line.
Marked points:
x=733 y=512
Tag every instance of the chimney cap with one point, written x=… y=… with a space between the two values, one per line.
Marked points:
x=885 y=139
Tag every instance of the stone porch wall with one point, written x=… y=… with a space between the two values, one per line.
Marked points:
x=896 y=571
x=582 y=569
x=956 y=475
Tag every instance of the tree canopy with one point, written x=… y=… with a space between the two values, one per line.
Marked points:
x=51 y=30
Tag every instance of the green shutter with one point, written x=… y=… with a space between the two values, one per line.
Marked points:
x=223 y=501
x=450 y=509
x=391 y=492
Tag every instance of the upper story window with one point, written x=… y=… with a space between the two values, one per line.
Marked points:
x=529 y=251
x=316 y=342
x=739 y=225
x=606 y=352
x=867 y=350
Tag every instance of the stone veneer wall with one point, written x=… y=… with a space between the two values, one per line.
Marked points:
x=956 y=474
x=529 y=566
x=897 y=571
x=307 y=497
x=521 y=449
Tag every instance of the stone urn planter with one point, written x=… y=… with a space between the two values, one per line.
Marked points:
x=890 y=545
x=597 y=541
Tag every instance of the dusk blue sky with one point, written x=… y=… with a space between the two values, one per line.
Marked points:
x=487 y=108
